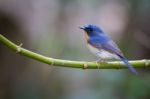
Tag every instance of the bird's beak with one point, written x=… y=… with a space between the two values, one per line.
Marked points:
x=81 y=27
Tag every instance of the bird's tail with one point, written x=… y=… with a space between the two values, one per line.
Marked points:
x=128 y=64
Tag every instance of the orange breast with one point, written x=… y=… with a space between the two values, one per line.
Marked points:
x=86 y=36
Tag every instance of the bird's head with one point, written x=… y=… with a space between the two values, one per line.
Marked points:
x=91 y=30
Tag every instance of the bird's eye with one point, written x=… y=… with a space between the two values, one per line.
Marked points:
x=90 y=29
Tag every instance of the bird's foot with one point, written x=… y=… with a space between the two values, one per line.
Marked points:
x=101 y=61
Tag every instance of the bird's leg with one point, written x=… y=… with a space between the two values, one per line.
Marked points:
x=101 y=60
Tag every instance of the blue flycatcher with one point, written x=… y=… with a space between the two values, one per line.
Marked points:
x=103 y=46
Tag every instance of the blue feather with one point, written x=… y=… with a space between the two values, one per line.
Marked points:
x=128 y=64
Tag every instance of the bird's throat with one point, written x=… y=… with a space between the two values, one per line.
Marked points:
x=86 y=36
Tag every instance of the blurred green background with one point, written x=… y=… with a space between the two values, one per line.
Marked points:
x=50 y=28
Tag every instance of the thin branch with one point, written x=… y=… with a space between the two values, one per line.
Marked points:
x=73 y=64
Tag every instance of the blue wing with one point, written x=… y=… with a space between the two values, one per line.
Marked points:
x=107 y=44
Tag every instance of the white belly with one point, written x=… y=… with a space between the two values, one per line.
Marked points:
x=102 y=53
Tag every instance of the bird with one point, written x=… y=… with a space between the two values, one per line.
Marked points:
x=103 y=46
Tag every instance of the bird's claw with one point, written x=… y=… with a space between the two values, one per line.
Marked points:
x=101 y=61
